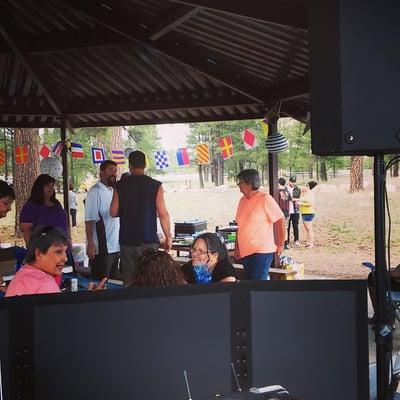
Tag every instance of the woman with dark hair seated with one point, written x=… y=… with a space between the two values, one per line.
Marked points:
x=156 y=268
x=44 y=260
x=209 y=262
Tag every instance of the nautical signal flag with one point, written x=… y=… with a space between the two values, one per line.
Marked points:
x=203 y=153
x=2 y=157
x=161 y=158
x=98 y=155
x=118 y=156
x=58 y=148
x=182 y=157
x=249 y=139
x=226 y=146
x=77 y=150
x=21 y=154
x=44 y=151
x=264 y=126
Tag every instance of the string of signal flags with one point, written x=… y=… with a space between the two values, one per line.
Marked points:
x=202 y=151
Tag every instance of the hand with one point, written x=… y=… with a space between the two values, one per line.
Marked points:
x=100 y=286
x=279 y=249
x=91 y=250
x=236 y=253
x=167 y=243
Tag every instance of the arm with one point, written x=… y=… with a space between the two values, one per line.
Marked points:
x=237 y=250
x=280 y=235
x=26 y=231
x=162 y=213
x=90 y=246
x=114 y=207
x=228 y=279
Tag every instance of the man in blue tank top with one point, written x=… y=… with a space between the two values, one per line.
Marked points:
x=138 y=200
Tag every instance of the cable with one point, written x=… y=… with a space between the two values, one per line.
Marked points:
x=388 y=166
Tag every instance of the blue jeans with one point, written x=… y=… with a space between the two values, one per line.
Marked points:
x=257 y=265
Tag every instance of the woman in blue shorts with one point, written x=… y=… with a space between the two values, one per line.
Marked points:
x=307 y=211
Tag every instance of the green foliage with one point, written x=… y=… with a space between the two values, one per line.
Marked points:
x=144 y=138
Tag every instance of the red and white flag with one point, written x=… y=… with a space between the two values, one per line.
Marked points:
x=77 y=150
x=249 y=139
x=44 y=151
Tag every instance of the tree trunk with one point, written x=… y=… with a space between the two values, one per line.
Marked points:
x=221 y=170
x=310 y=170
x=117 y=143
x=25 y=174
x=356 y=174
x=201 y=179
x=396 y=170
x=322 y=172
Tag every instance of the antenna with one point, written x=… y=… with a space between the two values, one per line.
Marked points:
x=236 y=377
x=1 y=384
x=187 y=385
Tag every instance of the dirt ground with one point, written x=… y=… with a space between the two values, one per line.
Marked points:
x=344 y=227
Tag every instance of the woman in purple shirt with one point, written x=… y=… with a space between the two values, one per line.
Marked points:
x=42 y=208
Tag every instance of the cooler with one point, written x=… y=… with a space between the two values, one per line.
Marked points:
x=189 y=228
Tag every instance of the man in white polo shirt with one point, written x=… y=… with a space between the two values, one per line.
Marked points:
x=102 y=230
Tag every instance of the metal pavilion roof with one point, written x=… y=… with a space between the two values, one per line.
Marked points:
x=127 y=62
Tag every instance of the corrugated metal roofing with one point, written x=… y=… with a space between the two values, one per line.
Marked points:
x=128 y=62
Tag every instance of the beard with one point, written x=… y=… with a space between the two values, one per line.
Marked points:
x=111 y=180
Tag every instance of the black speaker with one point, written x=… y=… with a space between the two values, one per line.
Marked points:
x=355 y=76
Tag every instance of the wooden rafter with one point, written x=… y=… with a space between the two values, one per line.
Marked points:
x=174 y=47
x=171 y=20
x=291 y=13
x=6 y=28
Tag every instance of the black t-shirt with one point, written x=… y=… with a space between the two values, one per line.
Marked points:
x=222 y=270
x=137 y=210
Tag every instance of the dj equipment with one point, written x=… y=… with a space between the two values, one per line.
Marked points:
x=274 y=392
x=355 y=83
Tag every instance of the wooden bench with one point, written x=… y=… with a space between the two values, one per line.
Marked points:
x=274 y=273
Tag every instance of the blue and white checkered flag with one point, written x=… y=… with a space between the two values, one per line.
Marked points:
x=161 y=158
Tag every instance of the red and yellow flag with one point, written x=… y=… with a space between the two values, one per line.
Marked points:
x=203 y=153
x=226 y=146
x=21 y=154
x=2 y=157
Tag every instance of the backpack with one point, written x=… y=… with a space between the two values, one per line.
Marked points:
x=296 y=192
x=284 y=201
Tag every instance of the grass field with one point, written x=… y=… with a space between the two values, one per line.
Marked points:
x=344 y=225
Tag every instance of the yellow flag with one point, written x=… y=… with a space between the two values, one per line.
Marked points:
x=264 y=126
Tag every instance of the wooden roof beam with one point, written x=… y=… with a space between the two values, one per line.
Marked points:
x=91 y=107
x=171 y=20
x=174 y=47
x=290 y=13
x=7 y=24
x=6 y=31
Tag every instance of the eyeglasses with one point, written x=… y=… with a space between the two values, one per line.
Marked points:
x=198 y=251
x=239 y=182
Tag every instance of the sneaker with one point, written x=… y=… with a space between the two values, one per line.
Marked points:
x=286 y=247
x=297 y=243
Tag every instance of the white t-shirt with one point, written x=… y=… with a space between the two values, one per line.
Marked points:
x=98 y=201
x=72 y=199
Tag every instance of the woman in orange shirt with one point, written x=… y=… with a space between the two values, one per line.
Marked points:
x=256 y=215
